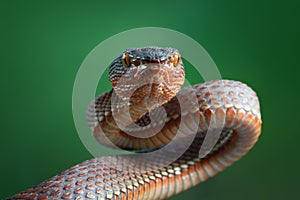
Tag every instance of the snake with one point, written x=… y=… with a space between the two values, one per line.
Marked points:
x=180 y=137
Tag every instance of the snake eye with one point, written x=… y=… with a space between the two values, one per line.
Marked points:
x=126 y=59
x=175 y=60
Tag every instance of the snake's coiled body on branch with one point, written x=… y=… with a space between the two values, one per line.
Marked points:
x=223 y=118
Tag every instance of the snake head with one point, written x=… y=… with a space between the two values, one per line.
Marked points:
x=149 y=75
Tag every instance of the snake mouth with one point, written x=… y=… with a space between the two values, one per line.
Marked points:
x=151 y=68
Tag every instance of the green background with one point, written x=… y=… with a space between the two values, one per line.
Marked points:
x=44 y=43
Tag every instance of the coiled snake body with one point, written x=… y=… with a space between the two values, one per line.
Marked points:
x=204 y=135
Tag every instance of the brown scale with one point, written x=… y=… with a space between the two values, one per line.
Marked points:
x=229 y=106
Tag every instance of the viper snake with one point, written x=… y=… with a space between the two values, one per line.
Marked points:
x=181 y=137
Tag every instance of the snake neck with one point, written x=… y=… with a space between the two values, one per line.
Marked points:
x=142 y=101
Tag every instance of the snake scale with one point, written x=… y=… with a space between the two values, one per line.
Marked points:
x=147 y=102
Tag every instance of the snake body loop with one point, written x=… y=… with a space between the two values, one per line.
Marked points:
x=229 y=108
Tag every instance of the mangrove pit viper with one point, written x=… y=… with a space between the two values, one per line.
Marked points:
x=181 y=137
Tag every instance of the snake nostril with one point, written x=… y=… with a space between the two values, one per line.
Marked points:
x=136 y=62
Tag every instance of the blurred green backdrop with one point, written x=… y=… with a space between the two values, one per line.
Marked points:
x=43 y=44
